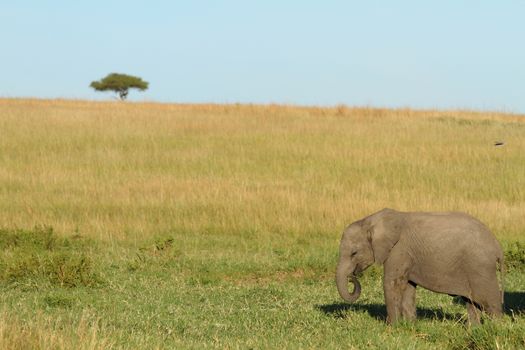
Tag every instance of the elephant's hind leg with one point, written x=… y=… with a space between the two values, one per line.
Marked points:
x=474 y=309
x=474 y=313
x=408 y=302
x=487 y=295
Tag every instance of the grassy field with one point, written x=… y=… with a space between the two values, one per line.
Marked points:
x=142 y=225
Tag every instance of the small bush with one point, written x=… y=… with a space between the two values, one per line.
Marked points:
x=515 y=255
x=39 y=255
x=69 y=270
x=40 y=238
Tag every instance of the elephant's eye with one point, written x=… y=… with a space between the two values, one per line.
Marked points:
x=353 y=254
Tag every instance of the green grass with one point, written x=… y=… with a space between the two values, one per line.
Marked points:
x=193 y=291
x=179 y=226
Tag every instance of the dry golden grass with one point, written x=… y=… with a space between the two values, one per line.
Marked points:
x=43 y=332
x=123 y=171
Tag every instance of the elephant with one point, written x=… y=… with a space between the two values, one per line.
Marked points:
x=445 y=252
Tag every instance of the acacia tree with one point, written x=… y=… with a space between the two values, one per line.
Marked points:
x=120 y=84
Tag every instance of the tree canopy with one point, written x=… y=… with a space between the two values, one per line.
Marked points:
x=120 y=84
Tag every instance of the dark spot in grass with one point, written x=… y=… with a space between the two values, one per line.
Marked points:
x=163 y=245
x=160 y=246
x=161 y=252
x=514 y=303
x=58 y=301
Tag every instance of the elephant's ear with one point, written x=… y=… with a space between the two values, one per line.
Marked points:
x=383 y=231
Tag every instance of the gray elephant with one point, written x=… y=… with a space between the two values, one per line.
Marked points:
x=450 y=253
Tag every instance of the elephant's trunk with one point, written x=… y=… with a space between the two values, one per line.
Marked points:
x=342 y=285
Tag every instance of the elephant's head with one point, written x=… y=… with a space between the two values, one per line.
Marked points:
x=364 y=242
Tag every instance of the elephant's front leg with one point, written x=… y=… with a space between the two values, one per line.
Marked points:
x=394 y=289
x=399 y=294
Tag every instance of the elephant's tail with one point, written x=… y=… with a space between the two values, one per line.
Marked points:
x=501 y=264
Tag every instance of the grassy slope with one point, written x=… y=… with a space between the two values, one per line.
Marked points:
x=219 y=225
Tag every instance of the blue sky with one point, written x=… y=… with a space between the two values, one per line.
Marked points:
x=420 y=54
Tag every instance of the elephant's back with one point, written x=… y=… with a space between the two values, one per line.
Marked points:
x=449 y=223
x=453 y=233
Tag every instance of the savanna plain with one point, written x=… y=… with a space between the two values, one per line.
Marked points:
x=169 y=226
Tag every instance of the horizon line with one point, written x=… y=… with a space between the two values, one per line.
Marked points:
x=273 y=104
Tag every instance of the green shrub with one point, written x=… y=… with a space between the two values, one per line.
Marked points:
x=514 y=255
x=40 y=238
x=38 y=255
